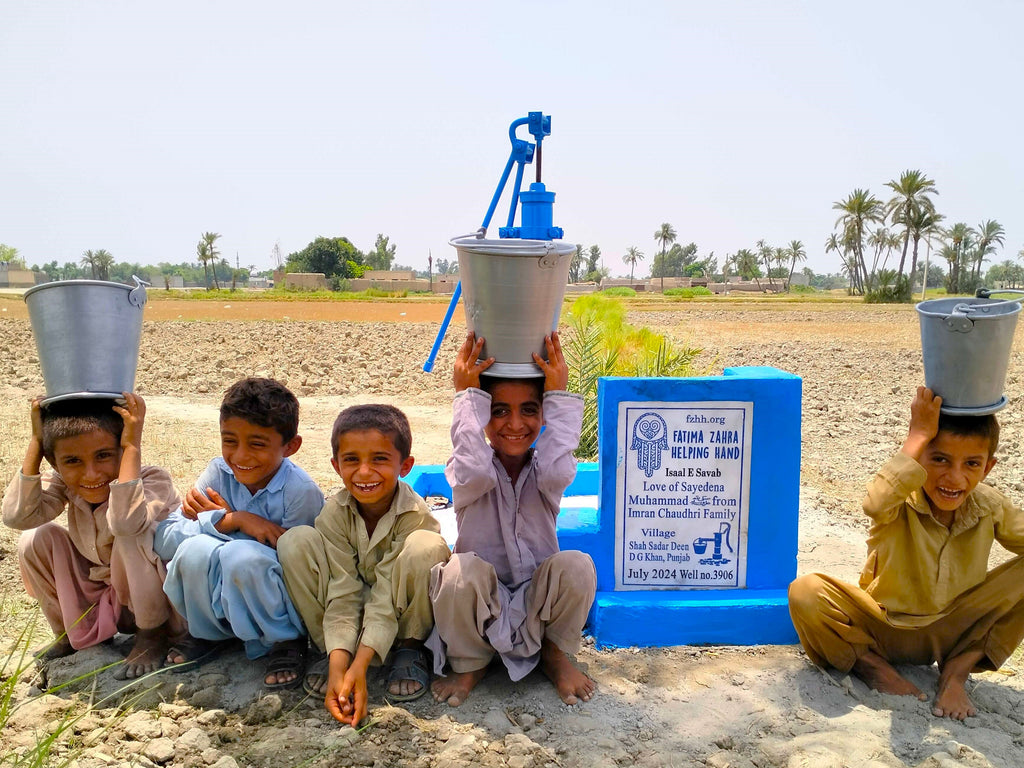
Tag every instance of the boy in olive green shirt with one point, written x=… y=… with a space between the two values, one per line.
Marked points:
x=925 y=594
x=360 y=578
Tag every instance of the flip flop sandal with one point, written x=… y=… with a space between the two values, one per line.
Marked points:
x=408 y=664
x=288 y=656
x=195 y=651
x=321 y=668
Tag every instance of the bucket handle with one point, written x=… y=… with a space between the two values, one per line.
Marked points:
x=137 y=295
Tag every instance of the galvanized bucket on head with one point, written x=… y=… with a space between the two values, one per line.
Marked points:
x=966 y=346
x=512 y=292
x=87 y=334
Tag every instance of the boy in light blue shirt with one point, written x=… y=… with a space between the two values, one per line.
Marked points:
x=224 y=576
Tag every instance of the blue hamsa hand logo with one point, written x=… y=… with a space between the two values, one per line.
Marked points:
x=650 y=439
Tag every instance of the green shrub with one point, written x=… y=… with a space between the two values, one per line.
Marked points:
x=601 y=343
x=803 y=289
x=619 y=290
x=689 y=293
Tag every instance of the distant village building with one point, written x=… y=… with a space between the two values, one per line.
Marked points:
x=306 y=281
x=16 y=277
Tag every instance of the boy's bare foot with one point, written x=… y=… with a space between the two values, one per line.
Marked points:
x=951 y=699
x=146 y=655
x=58 y=649
x=572 y=685
x=455 y=687
x=881 y=676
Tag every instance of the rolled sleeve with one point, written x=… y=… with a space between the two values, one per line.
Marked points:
x=470 y=470
x=32 y=500
x=134 y=507
x=892 y=485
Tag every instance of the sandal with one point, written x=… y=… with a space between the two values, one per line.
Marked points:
x=319 y=668
x=195 y=651
x=408 y=664
x=287 y=656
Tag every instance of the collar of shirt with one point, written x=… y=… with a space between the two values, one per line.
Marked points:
x=406 y=500
x=967 y=516
x=276 y=483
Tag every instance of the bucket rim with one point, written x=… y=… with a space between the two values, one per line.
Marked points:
x=511 y=247
x=60 y=283
x=81 y=396
x=1012 y=307
x=981 y=410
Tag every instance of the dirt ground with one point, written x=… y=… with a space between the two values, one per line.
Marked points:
x=686 y=706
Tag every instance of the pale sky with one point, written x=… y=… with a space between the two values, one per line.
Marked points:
x=136 y=126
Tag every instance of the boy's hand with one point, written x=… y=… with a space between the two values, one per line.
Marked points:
x=37 y=418
x=556 y=372
x=33 y=460
x=133 y=414
x=343 y=697
x=467 y=370
x=261 y=529
x=195 y=502
x=924 y=422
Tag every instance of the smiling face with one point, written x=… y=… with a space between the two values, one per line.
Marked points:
x=253 y=453
x=955 y=465
x=516 y=419
x=87 y=464
x=370 y=466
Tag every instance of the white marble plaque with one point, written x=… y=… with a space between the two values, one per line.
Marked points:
x=682 y=487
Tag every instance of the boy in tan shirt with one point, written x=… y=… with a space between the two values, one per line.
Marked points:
x=360 y=578
x=925 y=593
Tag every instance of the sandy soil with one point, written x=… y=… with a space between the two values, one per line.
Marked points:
x=715 y=706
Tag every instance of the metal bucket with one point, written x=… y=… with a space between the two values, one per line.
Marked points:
x=512 y=292
x=87 y=333
x=966 y=346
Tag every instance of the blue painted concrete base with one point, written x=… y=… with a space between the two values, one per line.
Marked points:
x=724 y=617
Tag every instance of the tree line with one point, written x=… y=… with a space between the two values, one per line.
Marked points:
x=871 y=232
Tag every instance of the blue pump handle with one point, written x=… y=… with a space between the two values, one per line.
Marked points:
x=539 y=126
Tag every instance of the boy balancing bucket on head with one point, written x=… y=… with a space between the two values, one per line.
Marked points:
x=966 y=347
x=514 y=286
x=87 y=334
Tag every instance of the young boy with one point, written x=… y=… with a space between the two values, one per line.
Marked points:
x=924 y=593
x=99 y=575
x=360 y=578
x=224 y=576
x=508 y=589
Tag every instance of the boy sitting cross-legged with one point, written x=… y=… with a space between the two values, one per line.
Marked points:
x=360 y=578
x=508 y=589
x=99 y=575
x=925 y=594
x=224 y=576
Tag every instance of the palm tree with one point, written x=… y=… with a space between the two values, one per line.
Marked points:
x=633 y=255
x=842 y=247
x=961 y=238
x=746 y=264
x=912 y=196
x=990 y=233
x=923 y=223
x=203 y=254
x=103 y=261
x=795 y=253
x=209 y=239
x=665 y=235
x=860 y=210
x=765 y=252
x=89 y=260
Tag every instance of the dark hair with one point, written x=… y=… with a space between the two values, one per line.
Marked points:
x=71 y=418
x=986 y=427
x=386 y=419
x=263 y=402
x=488 y=383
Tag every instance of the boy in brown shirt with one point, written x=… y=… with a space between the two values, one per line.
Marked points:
x=925 y=594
